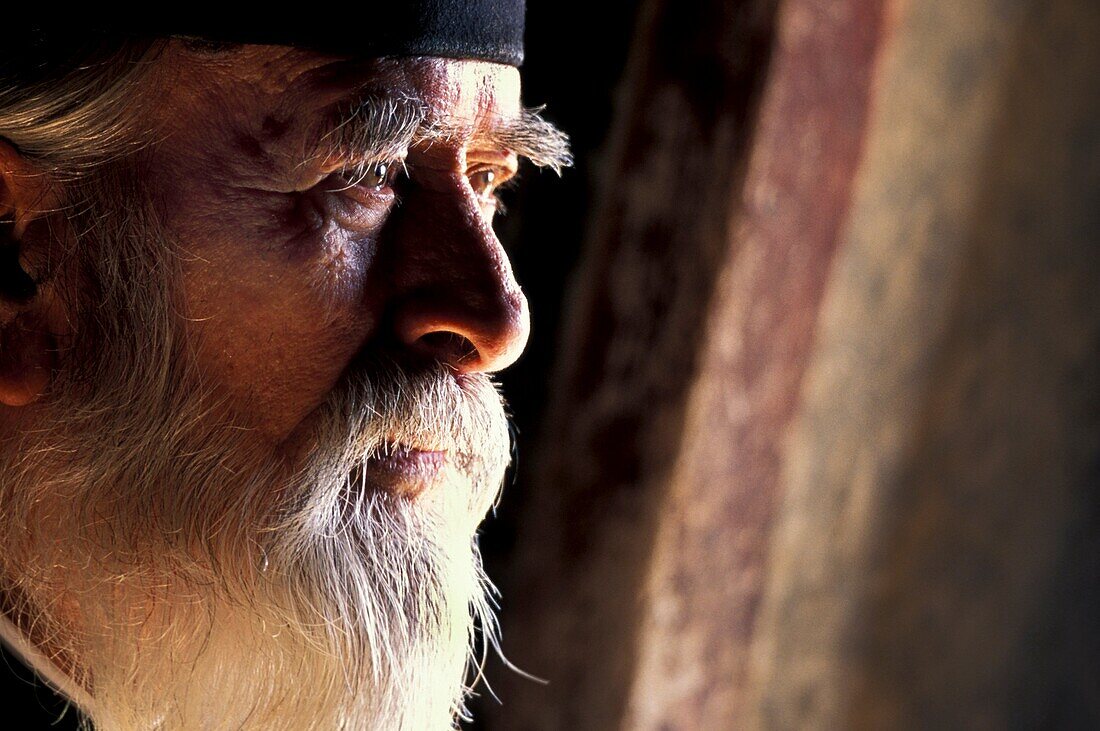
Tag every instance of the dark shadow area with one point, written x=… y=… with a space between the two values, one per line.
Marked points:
x=30 y=700
x=574 y=63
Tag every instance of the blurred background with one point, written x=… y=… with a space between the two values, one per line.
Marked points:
x=809 y=427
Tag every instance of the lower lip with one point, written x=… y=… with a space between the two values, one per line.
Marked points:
x=406 y=472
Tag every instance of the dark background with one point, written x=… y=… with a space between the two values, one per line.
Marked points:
x=573 y=65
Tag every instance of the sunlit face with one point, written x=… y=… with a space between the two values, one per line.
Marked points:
x=251 y=490
x=299 y=254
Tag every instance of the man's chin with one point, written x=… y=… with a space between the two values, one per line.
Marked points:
x=367 y=623
x=370 y=603
x=351 y=605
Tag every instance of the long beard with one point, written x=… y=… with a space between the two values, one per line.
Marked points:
x=188 y=579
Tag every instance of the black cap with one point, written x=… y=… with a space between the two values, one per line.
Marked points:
x=490 y=30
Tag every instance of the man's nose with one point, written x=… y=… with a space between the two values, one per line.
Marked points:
x=454 y=297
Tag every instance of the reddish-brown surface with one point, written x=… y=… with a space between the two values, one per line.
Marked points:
x=934 y=557
x=708 y=568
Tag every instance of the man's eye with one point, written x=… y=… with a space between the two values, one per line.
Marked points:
x=483 y=181
x=486 y=182
x=375 y=176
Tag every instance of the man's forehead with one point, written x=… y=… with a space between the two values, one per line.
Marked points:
x=260 y=111
x=460 y=95
x=299 y=91
x=294 y=81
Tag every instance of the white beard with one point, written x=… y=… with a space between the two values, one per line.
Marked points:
x=189 y=582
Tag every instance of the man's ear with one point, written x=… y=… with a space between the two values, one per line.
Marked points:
x=27 y=348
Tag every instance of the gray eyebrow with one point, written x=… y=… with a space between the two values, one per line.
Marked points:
x=532 y=137
x=372 y=129
x=381 y=127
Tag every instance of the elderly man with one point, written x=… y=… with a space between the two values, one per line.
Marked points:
x=250 y=296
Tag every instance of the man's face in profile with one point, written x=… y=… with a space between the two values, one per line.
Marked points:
x=249 y=431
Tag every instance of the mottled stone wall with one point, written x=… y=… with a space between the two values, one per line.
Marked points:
x=940 y=481
x=710 y=545
x=825 y=445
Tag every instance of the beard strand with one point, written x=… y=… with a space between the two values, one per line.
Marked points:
x=189 y=580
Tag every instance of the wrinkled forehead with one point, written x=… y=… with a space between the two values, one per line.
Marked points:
x=452 y=93
x=274 y=91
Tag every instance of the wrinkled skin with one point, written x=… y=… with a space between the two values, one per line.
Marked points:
x=285 y=282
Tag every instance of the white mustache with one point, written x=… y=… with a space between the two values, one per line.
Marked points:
x=382 y=405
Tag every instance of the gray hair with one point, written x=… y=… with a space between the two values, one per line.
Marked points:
x=70 y=104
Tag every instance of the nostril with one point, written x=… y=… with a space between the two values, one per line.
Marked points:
x=449 y=347
x=467 y=331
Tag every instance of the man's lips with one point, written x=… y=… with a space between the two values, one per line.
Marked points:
x=405 y=470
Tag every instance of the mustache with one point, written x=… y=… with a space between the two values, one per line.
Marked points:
x=383 y=405
x=383 y=402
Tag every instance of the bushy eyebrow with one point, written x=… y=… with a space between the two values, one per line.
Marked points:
x=380 y=128
x=529 y=136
